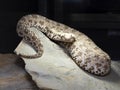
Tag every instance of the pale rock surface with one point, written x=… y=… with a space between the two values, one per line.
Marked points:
x=56 y=70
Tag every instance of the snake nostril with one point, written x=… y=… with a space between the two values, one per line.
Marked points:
x=20 y=34
x=102 y=73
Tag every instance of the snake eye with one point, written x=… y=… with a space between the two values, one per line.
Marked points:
x=26 y=31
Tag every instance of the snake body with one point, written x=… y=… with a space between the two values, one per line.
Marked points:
x=81 y=48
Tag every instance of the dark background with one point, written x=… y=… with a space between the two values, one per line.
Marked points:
x=10 y=13
x=99 y=19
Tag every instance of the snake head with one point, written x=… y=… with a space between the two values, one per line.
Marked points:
x=98 y=64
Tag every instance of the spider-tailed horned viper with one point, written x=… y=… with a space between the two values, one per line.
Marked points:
x=81 y=48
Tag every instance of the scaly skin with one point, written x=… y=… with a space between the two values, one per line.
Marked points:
x=81 y=48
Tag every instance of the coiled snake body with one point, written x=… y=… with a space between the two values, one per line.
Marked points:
x=81 y=48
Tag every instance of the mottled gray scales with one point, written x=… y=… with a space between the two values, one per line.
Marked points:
x=81 y=48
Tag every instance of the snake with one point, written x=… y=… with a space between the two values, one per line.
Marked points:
x=83 y=50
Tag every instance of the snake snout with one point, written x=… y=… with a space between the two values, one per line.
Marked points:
x=101 y=65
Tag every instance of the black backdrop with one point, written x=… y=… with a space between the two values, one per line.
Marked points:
x=10 y=12
x=99 y=19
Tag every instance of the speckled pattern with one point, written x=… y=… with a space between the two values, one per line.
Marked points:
x=81 y=48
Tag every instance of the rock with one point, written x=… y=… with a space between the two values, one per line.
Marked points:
x=56 y=70
x=12 y=74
